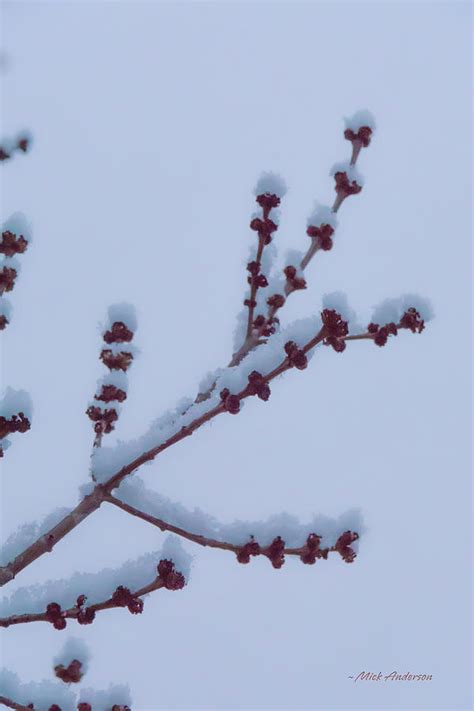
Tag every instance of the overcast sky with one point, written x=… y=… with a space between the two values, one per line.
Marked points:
x=152 y=123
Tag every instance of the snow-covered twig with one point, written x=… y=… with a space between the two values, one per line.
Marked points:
x=308 y=553
x=167 y=578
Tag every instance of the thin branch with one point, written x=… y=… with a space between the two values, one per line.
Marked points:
x=255 y=336
x=212 y=542
x=74 y=612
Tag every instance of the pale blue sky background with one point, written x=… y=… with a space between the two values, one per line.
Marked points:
x=152 y=123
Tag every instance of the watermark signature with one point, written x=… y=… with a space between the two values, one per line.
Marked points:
x=393 y=676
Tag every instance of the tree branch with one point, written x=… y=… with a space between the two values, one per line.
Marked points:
x=240 y=550
x=75 y=612
x=333 y=333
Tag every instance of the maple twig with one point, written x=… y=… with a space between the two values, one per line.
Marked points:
x=212 y=542
x=320 y=239
x=74 y=612
x=92 y=502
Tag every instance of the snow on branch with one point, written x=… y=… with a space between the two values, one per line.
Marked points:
x=263 y=352
x=42 y=694
x=281 y=535
x=97 y=589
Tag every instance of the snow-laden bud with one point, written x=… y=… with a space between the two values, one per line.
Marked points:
x=322 y=235
x=55 y=615
x=276 y=301
x=122 y=597
x=258 y=385
x=109 y=393
x=7 y=279
x=293 y=281
x=104 y=419
x=86 y=616
x=118 y=333
x=231 y=402
x=275 y=552
x=412 y=320
x=312 y=550
x=172 y=579
x=71 y=674
x=344 y=187
x=335 y=329
x=265 y=228
x=359 y=139
x=296 y=357
x=11 y=244
x=267 y=202
x=116 y=361
x=249 y=549
x=343 y=544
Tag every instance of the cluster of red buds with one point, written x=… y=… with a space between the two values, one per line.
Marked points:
x=56 y=616
x=359 y=140
x=312 y=550
x=11 y=244
x=172 y=579
x=71 y=674
x=381 y=333
x=321 y=236
x=231 y=402
x=21 y=145
x=293 y=281
x=85 y=615
x=411 y=320
x=258 y=386
x=344 y=187
x=309 y=553
x=122 y=597
x=256 y=280
x=105 y=418
x=265 y=326
x=7 y=279
x=276 y=301
x=335 y=330
x=16 y=423
x=265 y=227
x=296 y=357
